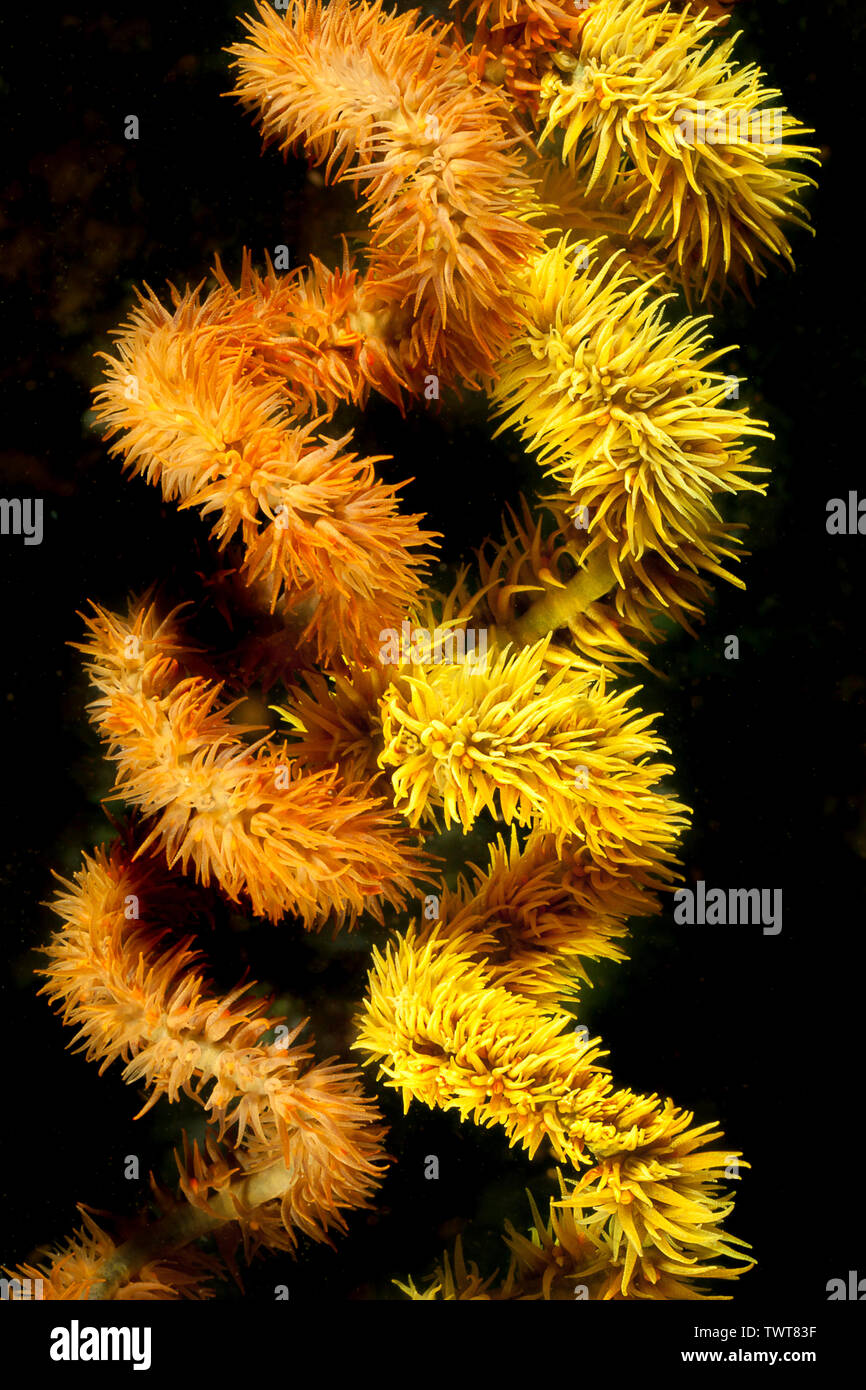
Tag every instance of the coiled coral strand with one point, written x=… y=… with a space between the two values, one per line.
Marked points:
x=201 y=411
x=627 y=414
x=649 y=108
x=443 y=1033
x=306 y=1136
x=383 y=101
x=130 y=1000
x=561 y=1259
x=240 y=814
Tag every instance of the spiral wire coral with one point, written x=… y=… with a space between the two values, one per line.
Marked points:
x=445 y=1034
x=535 y=192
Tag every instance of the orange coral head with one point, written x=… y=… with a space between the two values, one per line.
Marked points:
x=378 y=99
x=240 y=815
x=311 y=328
x=201 y=412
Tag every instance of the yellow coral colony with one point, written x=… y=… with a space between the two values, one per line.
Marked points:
x=539 y=182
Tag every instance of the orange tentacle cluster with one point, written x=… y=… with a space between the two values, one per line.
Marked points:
x=306 y=1141
x=241 y=815
x=146 y=1006
x=514 y=41
x=384 y=102
x=202 y=412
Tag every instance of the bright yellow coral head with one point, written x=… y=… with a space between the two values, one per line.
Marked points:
x=483 y=734
x=650 y=109
x=551 y=749
x=623 y=408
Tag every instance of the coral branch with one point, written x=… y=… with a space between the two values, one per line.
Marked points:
x=562 y=1259
x=550 y=749
x=625 y=412
x=202 y=413
x=561 y=606
x=261 y=1205
x=446 y=1035
x=242 y=815
x=707 y=162
x=535 y=915
x=129 y=1001
x=382 y=101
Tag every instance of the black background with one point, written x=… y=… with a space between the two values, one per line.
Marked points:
x=763 y=1033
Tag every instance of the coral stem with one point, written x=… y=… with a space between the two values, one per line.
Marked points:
x=186 y=1223
x=557 y=606
x=177 y=1228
